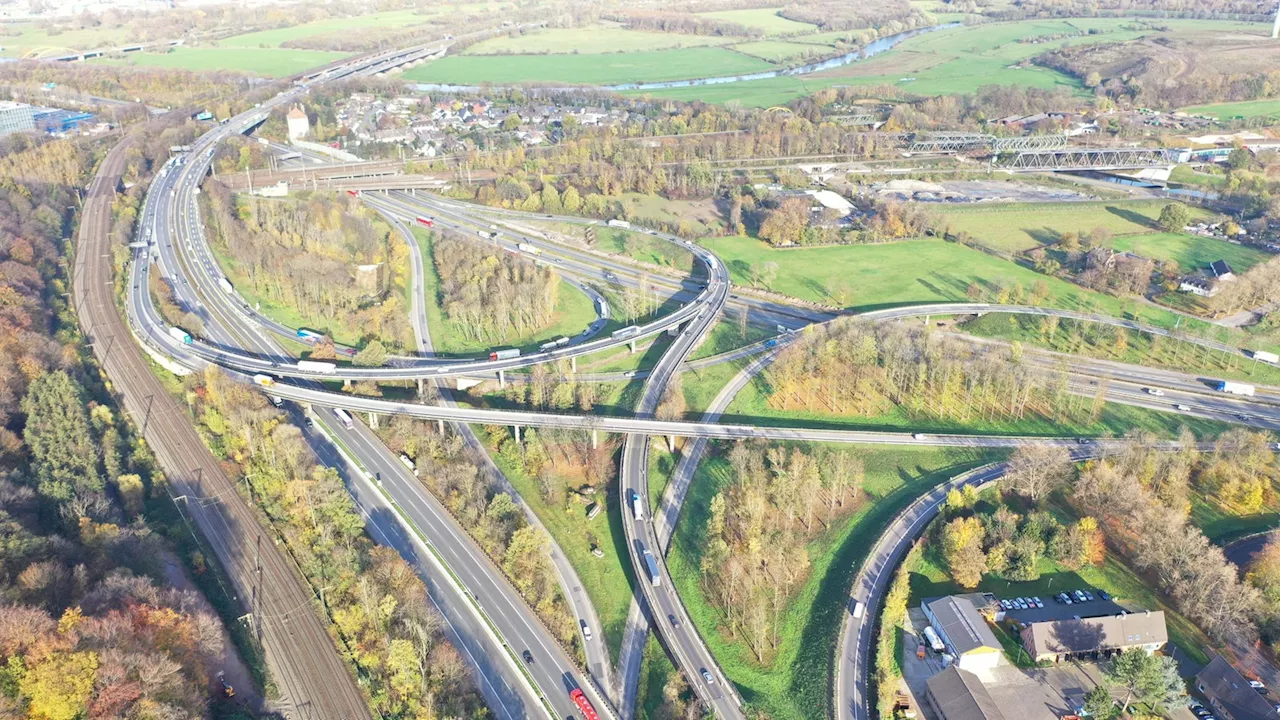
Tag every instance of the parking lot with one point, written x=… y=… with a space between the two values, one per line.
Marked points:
x=1054 y=610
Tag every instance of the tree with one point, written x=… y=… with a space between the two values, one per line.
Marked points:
x=1037 y=470
x=1174 y=217
x=58 y=433
x=373 y=355
x=962 y=548
x=1146 y=678
x=1099 y=703
x=59 y=687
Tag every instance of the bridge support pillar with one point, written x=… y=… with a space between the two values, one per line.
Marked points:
x=573 y=364
x=373 y=420
x=421 y=388
x=440 y=425
x=502 y=379
x=595 y=440
x=926 y=320
x=346 y=382
x=632 y=345
x=671 y=443
x=517 y=431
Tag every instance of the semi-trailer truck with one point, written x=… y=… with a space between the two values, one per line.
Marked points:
x=344 y=417
x=324 y=368
x=585 y=707
x=225 y=284
x=504 y=354
x=180 y=335
x=655 y=578
x=408 y=463
x=553 y=344
x=264 y=380
x=526 y=247
x=625 y=332
x=619 y=224
x=426 y=221
x=309 y=336
x=1234 y=388
x=1266 y=357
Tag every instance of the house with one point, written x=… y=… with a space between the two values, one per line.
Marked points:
x=964 y=631
x=956 y=694
x=1199 y=285
x=1057 y=640
x=297 y=122
x=1229 y=694
x=1221 y=270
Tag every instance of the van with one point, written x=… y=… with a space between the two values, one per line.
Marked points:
x=859 y=609
x=586 y=630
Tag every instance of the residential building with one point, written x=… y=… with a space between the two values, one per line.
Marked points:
x=1221 y=270
x=1069 y=639
x=1229 y=696
x=956 y=694
x=298 y=123
x=965 y=632
x=15 y=117
x=1199 y=285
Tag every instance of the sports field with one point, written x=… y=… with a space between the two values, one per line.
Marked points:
x=268 y=62
x=1228 y=111
x=644 y=66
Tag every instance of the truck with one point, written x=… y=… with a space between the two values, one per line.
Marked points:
x=225 y=284
x=504 y=354
x=585 y=707
x=934 y=641
x=655 y=578
x=323 y=368
x=263 y=141
x=1266 y=357
x=527 y=248
x=553 y=344
x=1233 y=388
x=353 y=193
x=408 y=463
x=310 y=337
x=619 y=224
x=264 y=380
x=428 y=222
x=180 y=335
x=637 y=507
x=344 y=417
x=602 y=307
x=486 y=234
x=205 y=115
x=625 y=332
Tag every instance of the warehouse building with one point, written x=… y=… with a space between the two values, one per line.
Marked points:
x=15 y=117
x=956 y=694
x=965 y=632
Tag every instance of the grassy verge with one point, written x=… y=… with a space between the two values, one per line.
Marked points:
x=608 y=580
x=1222 y=526
x=796 y=683
x=656 y=670
x=1099 y=341
x=726 y=336
x=662 y=465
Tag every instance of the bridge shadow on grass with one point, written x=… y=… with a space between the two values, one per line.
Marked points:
x=1133 y=217
x=1043 y=235
x=813 y=673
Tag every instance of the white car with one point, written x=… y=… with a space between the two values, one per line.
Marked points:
x=1182 y=408
x=1155 y=391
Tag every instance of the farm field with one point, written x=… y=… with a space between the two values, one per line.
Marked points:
x=644 y=66
x=34 y=42
x=589 y=41
x=766 y=20
x=273 y=38
x=780 y=51
x=267 y=62
x=795 y=683
x=1227 y=111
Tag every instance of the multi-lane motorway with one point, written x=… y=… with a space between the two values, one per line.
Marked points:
x=482 y=609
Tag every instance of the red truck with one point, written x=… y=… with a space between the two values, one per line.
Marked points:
x=579 y=698
x=426 y=221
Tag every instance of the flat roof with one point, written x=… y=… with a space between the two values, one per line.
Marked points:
x=963 y=626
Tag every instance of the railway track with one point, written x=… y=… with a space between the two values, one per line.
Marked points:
x=282 y=612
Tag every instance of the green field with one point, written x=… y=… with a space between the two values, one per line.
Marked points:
x=34 y=42
x=397 y=19
x=574 y=312
x=590 y=40
x=1189 y=251
x=648 y=66
x=1016 y=227
x=268 y=62
x=765 y=20
x=1227 y=111
x=795 y=685
x=781 y=51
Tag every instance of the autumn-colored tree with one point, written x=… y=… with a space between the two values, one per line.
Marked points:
x=962 y=550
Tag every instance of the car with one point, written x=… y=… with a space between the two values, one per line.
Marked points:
x=675 y=622
x=1194 y=703
x=707 y=676
x=1039 y=603
x=1104 y=594
x=1201 y=712
x=1154 y=391
x=1242 y=416
x=1078 y=595
x=311 y=421
x=1182 y=408
x=918 y=436
x=528 y=657
x=1088 y=596
x=586 y=629
x=1257 y=685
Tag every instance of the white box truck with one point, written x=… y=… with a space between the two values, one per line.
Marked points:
x=1266 y=357
x=1234 y=388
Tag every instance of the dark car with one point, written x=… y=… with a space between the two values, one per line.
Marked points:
x=674 y=621
x=1104 y=594
x=528 y=657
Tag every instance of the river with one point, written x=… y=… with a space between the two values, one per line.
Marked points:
x=871 y=50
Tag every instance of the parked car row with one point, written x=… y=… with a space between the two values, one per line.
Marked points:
x=1074 y=597
x=1021 y=603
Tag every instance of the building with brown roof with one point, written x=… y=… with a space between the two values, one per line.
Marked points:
x=1229 y=694
x=1057 y=640
x=956 y=694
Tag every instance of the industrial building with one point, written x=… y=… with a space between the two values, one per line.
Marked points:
x=964 y=631
x=956 y=694
x=15 y=117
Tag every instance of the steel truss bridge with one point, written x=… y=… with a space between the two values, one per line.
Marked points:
x=961 y=142
x=1085 y=159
